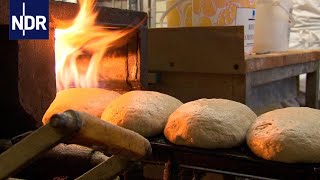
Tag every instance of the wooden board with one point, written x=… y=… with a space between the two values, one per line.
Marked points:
x=280 y=59
x=192 y=86
x=197 y=49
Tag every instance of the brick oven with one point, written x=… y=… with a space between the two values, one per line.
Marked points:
x=29 y=81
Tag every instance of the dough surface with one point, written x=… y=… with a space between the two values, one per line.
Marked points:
x=145 y=112
x=209 y=123
x=89 y=100
x=288 y=135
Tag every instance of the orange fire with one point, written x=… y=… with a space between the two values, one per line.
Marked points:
x=81 y=46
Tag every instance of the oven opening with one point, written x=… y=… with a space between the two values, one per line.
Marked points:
x=93 y=55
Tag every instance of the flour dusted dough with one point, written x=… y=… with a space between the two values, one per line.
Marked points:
x=288 y=135
x=89 y=100
x=145 y=112
x=209 y=123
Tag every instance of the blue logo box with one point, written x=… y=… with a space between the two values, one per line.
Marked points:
x=29 y=19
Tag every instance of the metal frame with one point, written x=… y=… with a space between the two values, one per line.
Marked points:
x=238 y=161
x=285 y=78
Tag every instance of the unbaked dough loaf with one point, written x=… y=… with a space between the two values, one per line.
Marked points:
x=209 y=123
x=89 y=100
x=145 y=112
x=288 y=135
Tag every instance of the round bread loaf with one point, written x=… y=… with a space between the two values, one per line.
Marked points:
x=288 y=135
x=90 y=100
x=209 y=123
x=145 y=112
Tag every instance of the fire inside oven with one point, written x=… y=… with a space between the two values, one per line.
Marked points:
x=88 y=55
x=95 y=55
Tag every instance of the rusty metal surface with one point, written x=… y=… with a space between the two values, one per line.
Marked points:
x=240 y=161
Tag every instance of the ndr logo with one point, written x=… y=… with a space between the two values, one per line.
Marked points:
x=29 y=19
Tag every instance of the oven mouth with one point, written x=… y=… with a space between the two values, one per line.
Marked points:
x=29 y=65
x=81 y=68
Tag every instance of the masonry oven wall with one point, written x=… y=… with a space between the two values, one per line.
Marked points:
x=28 y=66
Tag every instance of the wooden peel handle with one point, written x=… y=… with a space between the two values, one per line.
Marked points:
x=80 y=128
x=98 y=134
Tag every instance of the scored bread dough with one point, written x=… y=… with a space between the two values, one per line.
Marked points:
x=90 y=100
x=288 y=135
x=209 y=123
x=145 y=112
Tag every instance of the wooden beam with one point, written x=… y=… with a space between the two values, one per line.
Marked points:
x=108 y=138
x=279 y=59
x=258 y=78
x=109 y=169
x=312 y=88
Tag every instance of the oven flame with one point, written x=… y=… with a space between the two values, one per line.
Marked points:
x=80 y=47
